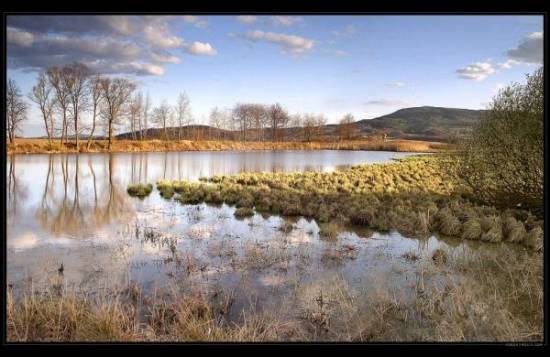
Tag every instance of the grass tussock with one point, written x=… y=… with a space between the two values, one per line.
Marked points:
x=140 y=190
x=417 y=196
x=244 y=212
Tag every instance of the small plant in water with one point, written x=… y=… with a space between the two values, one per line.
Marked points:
x=140 y=190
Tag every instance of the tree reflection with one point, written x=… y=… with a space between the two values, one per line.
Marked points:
x=16 y=191
x=67 y=209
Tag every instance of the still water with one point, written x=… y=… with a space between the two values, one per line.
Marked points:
x=74 y=210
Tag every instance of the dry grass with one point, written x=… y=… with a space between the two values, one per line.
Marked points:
x=39 y=146
x=474 y=295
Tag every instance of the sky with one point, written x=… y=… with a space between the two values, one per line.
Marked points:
x=332 y=65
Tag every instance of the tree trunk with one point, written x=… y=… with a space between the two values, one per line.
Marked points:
x=110 y=135
x=76 y=130
x=92 y=132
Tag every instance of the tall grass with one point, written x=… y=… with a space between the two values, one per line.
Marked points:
x=32 y=146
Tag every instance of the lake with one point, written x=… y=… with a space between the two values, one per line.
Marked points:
x=74 y=210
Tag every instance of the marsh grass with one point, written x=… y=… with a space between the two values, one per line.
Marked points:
x=469 y=295
x=416 y=196
x=244 y=212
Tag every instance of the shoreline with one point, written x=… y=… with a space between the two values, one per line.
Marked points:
x=42 y=146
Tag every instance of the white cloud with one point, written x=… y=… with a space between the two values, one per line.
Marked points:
x=138 y=45
x=395 y=85
x=290 y=43
x=20 y=37
x=247 y=19
x=508 y=64
x=477 y=71
x=341 y=53
x=389 y=102
x=195 y=20
x=285 y=21
x=200 y=48
x=347 y=31
x=164 y=58
x=159 y=37
x=529 y=49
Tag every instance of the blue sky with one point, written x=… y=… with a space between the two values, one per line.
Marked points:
x=365 y=65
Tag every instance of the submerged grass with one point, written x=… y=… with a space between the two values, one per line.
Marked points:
x=493 y=295
x=417 y=196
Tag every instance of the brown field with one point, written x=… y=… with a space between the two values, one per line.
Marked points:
x=41 y=146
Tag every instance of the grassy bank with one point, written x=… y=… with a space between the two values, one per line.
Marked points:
x=417 y=196
x=39 y=146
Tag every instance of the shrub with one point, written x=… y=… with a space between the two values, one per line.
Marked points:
x=502 y=160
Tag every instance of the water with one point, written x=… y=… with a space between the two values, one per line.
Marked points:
x=74 y=210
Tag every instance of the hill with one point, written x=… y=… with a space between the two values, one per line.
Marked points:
x=417 y=123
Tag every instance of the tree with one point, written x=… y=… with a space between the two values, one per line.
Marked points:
x=278 y=118
x=146 y=107
x=96 y=97
x=309 y=122
x=183 y=112
x=77 y=76
x=115 y=93
x=217 y=120
x=242 y=118
x=502 y=160
x=42 y=95
x=346 y=127
x=16 y=109
x=135 y=110
x=161 y=115
x=320 y=122
x=58 y=80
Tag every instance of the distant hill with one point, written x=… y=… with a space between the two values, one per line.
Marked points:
x=417 y=123
x=429 y=122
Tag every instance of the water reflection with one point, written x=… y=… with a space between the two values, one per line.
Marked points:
x=74 y=201
x=74 y=208
x=76 y=195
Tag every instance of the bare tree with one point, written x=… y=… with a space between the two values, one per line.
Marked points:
x=42 y=95
x=217 y=120
x=346 y=127
x=77 y=76
x=309 y=124
x=16 y=109
x=161 y=115
x=320 y=122
x=278 y=118
x=183 y=112
x=258 y=117
x=135 y=110
x=96 y=96
x=57 y=78
x=248 y=116
x=116 y=93
x=297 y=122
x=146 y=108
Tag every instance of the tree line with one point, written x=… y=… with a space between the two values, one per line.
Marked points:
x=72 y=100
